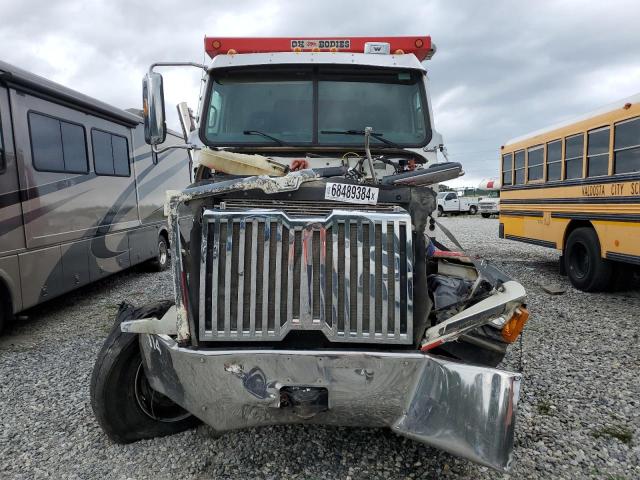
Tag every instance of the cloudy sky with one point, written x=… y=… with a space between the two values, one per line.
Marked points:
x=502 y=69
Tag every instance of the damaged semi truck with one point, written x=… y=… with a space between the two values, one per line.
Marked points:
x=309 y=290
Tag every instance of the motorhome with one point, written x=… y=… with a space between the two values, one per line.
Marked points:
x=81 y=194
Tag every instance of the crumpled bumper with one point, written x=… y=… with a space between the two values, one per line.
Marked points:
x=466 y=410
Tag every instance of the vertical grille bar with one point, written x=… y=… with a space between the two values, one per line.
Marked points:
x=214 y=276
x=227 y=276
x=347 y=279
x=334 y=277
x=265 y=276
x=386 y=260
x=204 y=273
x=241 y=269
x=291 y=255
x=360 y=280
x=254 y=262
x=306 y=276
x=277 y=293
x=372 y=280
x=323 y=274
x=396 y=282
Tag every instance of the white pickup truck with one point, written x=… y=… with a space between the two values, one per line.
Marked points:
x=450 y=202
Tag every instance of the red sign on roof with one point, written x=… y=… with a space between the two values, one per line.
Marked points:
x=420 y=46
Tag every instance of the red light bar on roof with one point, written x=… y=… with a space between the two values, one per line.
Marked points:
x=421 y=47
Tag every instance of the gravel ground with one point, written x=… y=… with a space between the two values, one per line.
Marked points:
x=578 y=416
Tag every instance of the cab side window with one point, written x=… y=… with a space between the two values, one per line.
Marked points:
x=110 y=154
x=57 y=145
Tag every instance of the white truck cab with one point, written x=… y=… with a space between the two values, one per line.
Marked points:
x=451 y=202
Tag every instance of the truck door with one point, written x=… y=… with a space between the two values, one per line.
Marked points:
x=11 y=226
x=451 y=203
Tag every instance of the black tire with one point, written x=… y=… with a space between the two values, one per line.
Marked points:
x=485 y=215
x=440 y=211
x=473 y=210
x=124 y=404
x=586 y=269
x=161 y=262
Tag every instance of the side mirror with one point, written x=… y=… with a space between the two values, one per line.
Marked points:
x=155 y=127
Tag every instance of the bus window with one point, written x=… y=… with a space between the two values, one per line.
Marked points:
x=598 y=152
x=554 y=160
x=626 y=146
x=519 y=167
x=534 y=166
x=507 y=169
x=574 y=147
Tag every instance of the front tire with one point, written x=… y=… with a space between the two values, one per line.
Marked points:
x=485 y=215
x=586 y=269
x=124 y=404
x=440 y=211
x=473 y=210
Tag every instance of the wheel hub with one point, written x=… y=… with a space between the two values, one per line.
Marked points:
x=154 y=404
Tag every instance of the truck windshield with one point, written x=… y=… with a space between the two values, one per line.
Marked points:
x=296 y=106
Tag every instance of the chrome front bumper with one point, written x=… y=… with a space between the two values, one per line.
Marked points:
x=466 y=410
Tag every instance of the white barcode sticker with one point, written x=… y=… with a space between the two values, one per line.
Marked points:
x=344 y=192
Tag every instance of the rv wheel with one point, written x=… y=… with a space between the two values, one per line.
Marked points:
x=125 y=405
x=161 y=262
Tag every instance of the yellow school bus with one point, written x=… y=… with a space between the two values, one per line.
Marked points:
x=575 y=187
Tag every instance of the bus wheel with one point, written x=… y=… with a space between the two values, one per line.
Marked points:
x=473 y=210
x=125 y=405
x=161 y=262
x=587 y=271
x=485 y=215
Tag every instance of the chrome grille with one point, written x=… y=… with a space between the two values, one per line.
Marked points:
x=348 y=274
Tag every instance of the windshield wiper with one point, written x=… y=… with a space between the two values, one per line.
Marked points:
x=266 y=135
x=377 y=136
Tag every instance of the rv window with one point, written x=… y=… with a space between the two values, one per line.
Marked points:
x=110 y=154
x=57 y=145
x=2 y=164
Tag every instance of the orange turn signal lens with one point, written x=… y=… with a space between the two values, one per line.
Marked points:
x=514 y=326
x=399 y=52
x=231 y=52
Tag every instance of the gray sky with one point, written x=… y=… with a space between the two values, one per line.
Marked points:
x=502 y=69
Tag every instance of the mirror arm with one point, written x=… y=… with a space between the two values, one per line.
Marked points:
x=176 y=64
x=188 y=146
